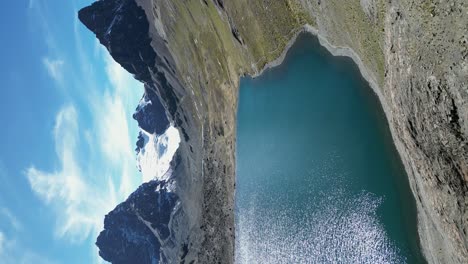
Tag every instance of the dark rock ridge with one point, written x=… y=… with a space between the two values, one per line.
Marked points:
x=122 y=27
x=151 y=226
x=151 y=115
x=140 y=143
x=134 y=230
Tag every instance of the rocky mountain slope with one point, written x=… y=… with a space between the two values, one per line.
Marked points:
x=191 y=54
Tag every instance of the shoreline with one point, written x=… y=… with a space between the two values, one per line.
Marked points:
x=335 y=51
x=421 y=217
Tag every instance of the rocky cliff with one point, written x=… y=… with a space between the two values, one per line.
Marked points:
x=190 y=54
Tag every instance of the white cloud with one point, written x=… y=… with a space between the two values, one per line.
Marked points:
x=118 y=77
x=38 y=17
x=54 y=67
x=81 y=192
x=113 y=123
x=113 y=131
x=66 y=189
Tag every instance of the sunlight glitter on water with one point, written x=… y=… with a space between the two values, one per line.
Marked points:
x=318 y=177
x=340 y=230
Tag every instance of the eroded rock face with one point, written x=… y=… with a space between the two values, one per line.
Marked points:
x=122 y=27
x=370 y=8
x=150 y=114
x=427 y=88
x=135 y=230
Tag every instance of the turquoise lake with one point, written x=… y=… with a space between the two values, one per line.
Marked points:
x=318 y=177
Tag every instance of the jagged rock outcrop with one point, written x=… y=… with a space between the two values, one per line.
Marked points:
x=150 y=114
x=123 y=28
x=135 y=230
x=192 y=53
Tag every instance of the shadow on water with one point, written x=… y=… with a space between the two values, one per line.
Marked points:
x=319 y=179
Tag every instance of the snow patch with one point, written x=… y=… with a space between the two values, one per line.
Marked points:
x=155 y=157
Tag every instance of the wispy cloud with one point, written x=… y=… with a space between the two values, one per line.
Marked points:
x=91 y=178
x=38 y=15
x=12 y=219
x=55 y=68
x=80 y=191
x=113 y=122
x=65 y=189
x=13 y=252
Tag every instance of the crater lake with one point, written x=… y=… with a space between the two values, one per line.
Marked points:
x=319 y=179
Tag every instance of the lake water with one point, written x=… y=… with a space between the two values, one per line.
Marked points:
x=318 y=177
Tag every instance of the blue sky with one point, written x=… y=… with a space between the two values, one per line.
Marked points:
x=67 y=136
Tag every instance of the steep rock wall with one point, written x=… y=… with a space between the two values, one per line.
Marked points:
x=426 y=86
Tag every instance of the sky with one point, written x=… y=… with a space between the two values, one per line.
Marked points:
x=67 y=140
